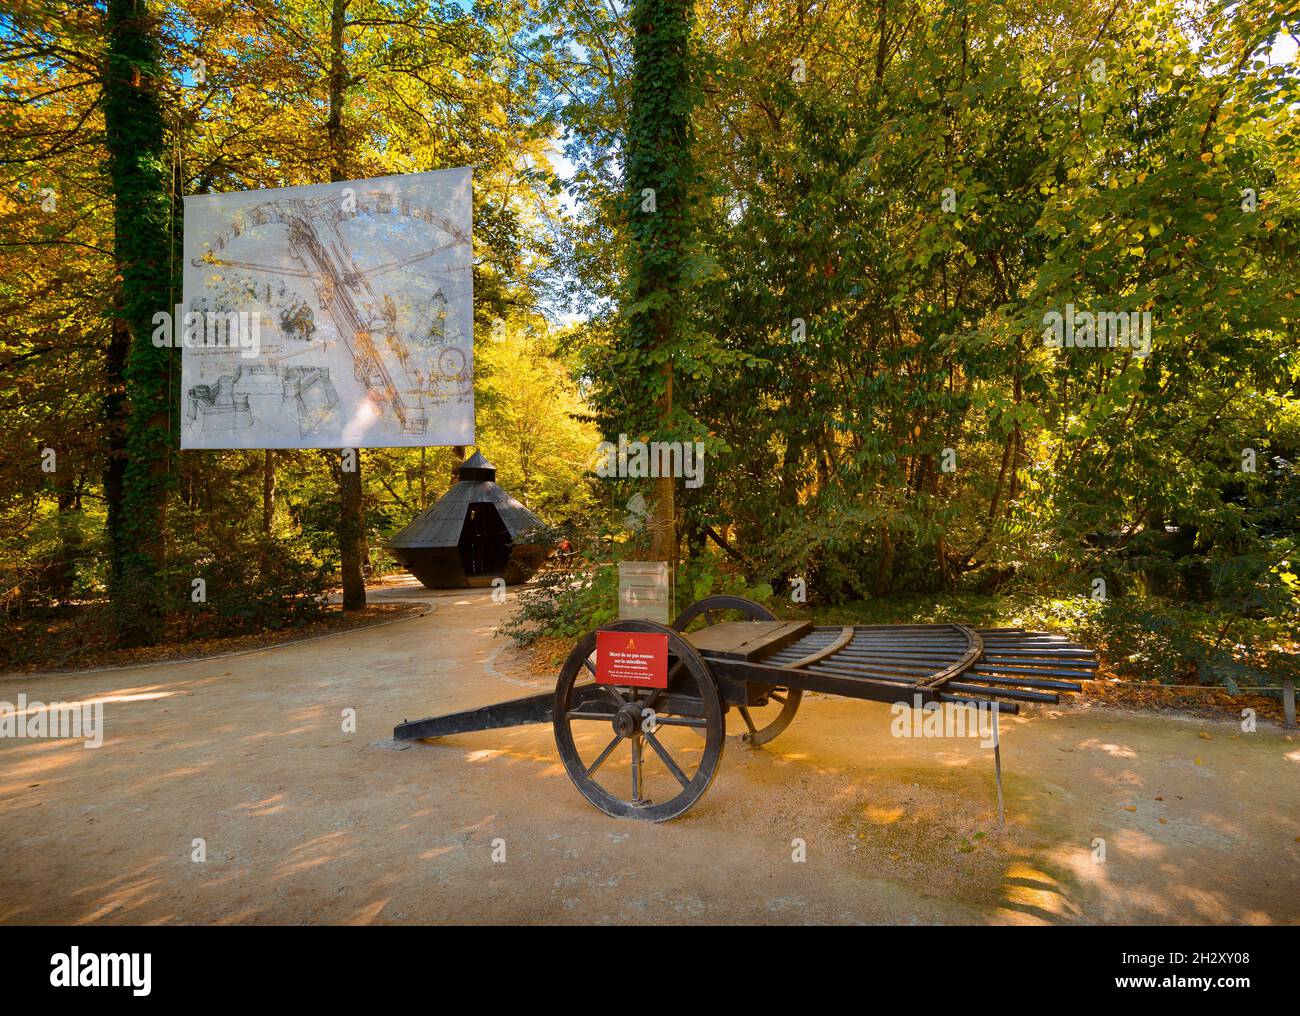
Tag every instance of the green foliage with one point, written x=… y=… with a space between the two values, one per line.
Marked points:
x=1137 y=637
x=566 y=601
x=659 y=179
x=266 y=585
x=530 y=423
x=710 y=575
x=862 y=215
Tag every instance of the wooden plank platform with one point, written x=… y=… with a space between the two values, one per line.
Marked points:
x=746 y=640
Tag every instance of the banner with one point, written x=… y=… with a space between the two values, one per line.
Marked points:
x=337 y=315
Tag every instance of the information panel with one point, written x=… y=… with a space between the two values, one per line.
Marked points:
x=636 y=659
x=337 y=315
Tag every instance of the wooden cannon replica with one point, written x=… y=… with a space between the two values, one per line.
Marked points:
x=653 y=723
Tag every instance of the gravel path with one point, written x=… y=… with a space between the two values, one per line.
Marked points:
x=303 y=821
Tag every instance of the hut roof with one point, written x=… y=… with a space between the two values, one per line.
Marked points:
x=441 y=523
x=476 y=467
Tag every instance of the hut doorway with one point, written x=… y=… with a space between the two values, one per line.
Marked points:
x=484 y=540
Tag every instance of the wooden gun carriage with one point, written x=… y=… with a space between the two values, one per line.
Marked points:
x=727 y=653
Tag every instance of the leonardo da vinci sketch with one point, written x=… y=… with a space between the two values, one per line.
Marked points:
x=330 y=316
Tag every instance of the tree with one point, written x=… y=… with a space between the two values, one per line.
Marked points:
x=135 y=137
x=529 y=423
x=659 y=176
x=56 y=278
x=352 y=526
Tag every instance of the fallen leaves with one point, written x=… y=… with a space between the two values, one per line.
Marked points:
x=83 y=639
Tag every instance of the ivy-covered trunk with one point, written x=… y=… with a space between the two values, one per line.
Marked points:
x=115 y=412
x=138 y=168
x=659 y=174
x=351 y=528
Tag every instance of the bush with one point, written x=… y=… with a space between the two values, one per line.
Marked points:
x=564 y=601
x=259 y=587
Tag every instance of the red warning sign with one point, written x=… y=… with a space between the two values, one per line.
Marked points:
x=632 y=658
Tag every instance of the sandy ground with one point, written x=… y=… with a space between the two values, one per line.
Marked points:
x=306 y=823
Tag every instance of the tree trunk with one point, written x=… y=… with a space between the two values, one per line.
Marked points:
x=351 y=537
x=268 y=491
x=663 y=513
x=882 y=41
x=138 y=168
x=114 y=408
x=351 y=528
x=458 y=457
x=659 y=174
x=424 y=490
x=1018 y=442
x=885 y=573
x=68 y=522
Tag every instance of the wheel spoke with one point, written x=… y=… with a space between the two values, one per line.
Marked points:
x=708 y=617
x=615 y=695
x=777 y=696
x=600 y=760
x=636 y=769
x=662 y=752
x=586 y=662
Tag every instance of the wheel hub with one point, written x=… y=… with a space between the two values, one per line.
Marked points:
x=627 y=721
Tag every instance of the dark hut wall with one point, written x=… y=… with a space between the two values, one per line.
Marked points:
x=472 y=534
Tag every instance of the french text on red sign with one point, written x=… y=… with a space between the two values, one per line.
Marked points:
x=635 y=659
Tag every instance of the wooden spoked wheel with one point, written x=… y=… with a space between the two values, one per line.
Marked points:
x=762 y=722
x=637 y=752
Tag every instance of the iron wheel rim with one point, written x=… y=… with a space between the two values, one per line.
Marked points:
x=708 y=608
x=683 y=662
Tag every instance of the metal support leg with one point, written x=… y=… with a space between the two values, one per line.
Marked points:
x=997 y=766
x=533 y=709
x=1288 y=704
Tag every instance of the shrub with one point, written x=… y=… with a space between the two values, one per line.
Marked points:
x=262 y=586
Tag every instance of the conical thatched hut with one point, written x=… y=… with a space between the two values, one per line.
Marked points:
x=474 y=533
